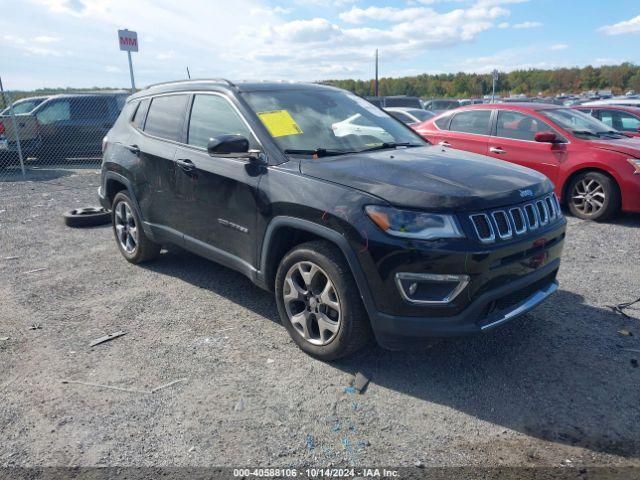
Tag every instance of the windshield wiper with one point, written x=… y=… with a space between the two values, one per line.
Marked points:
x=585 y=132
x=385 y=145
x=319 y=152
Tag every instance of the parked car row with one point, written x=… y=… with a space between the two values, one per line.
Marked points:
x=59 y=126
x=595 y=168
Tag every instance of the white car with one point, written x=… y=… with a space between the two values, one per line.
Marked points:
x=409 y=116
x=359 y=125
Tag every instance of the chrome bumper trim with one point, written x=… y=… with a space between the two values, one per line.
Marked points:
x=524 y=306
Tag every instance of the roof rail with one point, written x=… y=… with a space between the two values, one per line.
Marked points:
x=204 y=80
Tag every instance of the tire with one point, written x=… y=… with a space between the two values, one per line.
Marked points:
x=87 y=217
x=593 y=196
x=320 y=259
x=132 y=242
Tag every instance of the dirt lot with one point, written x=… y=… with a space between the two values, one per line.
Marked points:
x=557 y=387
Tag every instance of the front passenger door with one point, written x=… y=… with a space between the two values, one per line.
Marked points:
x=217 y=195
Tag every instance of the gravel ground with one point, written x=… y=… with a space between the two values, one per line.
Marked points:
x=556 y=387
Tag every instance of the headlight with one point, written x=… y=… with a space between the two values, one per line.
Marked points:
x=409 y=224
x=635 y=162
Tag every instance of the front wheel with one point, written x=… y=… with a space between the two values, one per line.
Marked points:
x=132 y=242
x=593 y=196
x=319 y=302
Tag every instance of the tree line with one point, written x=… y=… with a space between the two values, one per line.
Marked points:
x=533 y=82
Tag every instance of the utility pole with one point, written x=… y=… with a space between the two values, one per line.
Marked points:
x=376 y=81
x=7 y=101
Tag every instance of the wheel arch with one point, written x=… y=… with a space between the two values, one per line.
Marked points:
x=284 y=233
x=579 y=171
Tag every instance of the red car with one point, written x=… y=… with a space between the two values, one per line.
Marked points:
x=596 y=170
x=619 y=117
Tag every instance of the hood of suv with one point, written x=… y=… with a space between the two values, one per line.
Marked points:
x=431 y=178
x=627 y=146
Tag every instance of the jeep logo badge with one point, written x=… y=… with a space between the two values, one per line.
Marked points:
x=526 y=193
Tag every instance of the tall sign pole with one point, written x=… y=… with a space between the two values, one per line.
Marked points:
x=493 y=91
x=128 y=41
x=376 y=81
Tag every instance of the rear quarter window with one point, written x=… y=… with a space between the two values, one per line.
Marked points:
x=141 y=112
x=166 y=117
x=443 y=122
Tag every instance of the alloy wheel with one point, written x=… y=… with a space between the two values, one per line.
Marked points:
x=311 y=302
x=126 y=228
x=588 y=196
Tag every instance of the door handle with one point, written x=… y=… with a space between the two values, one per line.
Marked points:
x=497 y=150
x=444 y=144
x=133 y=149
x=186 y=164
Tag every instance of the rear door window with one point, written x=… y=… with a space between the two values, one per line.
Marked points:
x=89 y=108
x=166 y=117
x=472 y=121
x=620 y=120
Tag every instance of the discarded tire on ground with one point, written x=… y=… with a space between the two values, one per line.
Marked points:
x=87 y=217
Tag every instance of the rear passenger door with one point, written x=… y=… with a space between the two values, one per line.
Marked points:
x=154 y=149
x=217 y=195
x=469 y=130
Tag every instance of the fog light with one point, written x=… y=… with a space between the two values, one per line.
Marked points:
x=430 y=288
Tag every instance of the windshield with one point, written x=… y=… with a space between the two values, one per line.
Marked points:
x=23 y=107
x=309 y=121
x=581 y=124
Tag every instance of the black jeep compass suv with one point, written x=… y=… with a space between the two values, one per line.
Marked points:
x=359 y=226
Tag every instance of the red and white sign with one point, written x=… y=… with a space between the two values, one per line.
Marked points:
x=128 y=40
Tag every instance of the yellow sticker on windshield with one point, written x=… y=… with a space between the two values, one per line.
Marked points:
x=279 y=123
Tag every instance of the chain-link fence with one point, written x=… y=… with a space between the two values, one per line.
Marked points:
x=54 y=130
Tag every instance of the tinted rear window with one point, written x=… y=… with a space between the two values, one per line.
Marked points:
x=473 y=121
x=89 y=108
x=166 y=117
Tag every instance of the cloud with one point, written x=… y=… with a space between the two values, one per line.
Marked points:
x=166 y=55
x=45 y=39
x=559 y=46
x=112 y=69
x=270 y=11
x=504 y=25
x=620 y=28
x=524 y=25
x=384 y=14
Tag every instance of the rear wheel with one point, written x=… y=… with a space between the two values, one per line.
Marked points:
x=319 y=302
x=133 y=243
x=593 y=196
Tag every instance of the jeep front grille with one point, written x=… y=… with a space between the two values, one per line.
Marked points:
x=505 y=224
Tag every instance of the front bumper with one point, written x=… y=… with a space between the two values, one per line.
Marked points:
x=488 y=311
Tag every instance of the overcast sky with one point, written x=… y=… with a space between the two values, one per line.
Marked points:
x=58 y=43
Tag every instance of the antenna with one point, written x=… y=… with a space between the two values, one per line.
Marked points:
x=188 y=74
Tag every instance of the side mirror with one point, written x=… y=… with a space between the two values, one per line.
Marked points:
x=546 y=137
x=226 y=144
